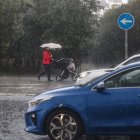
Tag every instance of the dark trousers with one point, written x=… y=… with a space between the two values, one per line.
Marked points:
x=47 y=69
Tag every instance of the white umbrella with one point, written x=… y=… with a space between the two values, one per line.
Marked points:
x=51 y=46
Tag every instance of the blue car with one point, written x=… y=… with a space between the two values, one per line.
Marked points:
x=109 y=104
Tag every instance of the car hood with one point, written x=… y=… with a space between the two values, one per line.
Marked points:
x=57 y=92
x=100 y=70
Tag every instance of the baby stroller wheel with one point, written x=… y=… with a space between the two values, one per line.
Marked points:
x=74 y=77
x=58 y=78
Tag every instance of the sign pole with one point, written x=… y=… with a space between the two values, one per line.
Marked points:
x=126 y=22
x=126 y=44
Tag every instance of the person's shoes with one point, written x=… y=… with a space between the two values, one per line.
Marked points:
x=50 y=80
x=38 y=77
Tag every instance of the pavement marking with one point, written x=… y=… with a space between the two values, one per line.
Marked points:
x=10 y=94
x=31 y=94
x=21 y=87
x=17 y=94
x=21 y=84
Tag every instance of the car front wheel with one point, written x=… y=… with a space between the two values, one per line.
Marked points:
x=64 y=125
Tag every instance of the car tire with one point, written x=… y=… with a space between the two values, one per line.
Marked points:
x=64 y=125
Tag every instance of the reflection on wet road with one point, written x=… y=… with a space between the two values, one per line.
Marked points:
x=14 y=95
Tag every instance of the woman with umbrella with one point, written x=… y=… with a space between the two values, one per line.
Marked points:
x=47 y=59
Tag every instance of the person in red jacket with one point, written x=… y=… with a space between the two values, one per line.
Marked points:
x=47 y=60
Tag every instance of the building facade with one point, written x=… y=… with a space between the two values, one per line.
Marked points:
x=107 y=4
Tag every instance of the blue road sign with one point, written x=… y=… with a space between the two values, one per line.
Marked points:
x=126 y=21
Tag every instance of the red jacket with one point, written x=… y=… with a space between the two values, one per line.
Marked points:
x=47 y=57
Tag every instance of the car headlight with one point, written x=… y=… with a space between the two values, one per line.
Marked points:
x=37 y=101
x=84 y=74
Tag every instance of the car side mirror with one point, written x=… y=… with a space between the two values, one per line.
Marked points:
x=100 y=86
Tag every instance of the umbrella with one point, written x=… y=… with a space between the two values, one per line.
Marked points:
x=51 y=46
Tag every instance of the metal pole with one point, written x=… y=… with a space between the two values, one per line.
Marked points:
x=126 y=44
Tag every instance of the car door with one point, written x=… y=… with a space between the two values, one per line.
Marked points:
x=116 y=109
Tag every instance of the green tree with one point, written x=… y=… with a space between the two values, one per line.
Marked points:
x=11 y=30
x=69 y=23
x=26 y=24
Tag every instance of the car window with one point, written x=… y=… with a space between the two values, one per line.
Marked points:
x=137 y=59
x=130 y=78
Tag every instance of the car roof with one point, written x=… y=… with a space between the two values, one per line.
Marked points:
x=132 y=64
x=127 y=60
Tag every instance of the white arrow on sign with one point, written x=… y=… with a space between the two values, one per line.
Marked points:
x=125 y=21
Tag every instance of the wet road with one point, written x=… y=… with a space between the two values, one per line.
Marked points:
x=15 y=92
x=14 y=95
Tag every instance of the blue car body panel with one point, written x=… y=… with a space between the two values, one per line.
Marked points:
x=76 y=102
x=110 y=111
x=115 y=109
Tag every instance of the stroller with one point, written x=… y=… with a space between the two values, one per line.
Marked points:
x=67 y=67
